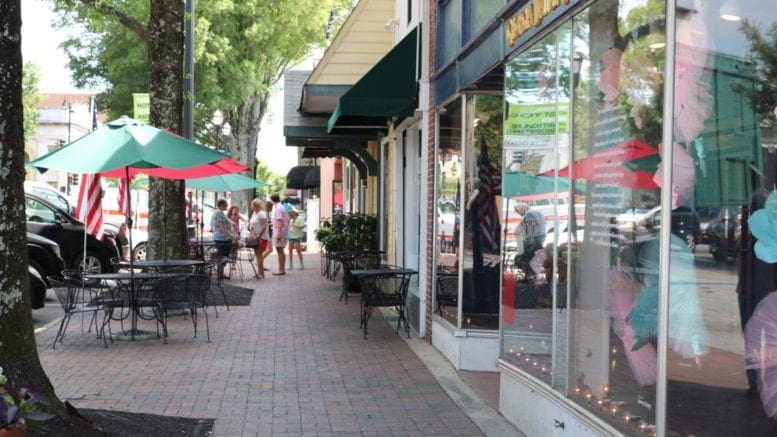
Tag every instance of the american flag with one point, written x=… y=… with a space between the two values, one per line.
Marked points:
x=89 y=208
x=487 y=214
x=123 y=195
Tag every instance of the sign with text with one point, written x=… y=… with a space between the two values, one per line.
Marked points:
x=141 y=105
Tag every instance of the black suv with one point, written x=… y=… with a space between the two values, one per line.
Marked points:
x=725 y=232
x=686 y=224
x=44 y=261
x=45 y=219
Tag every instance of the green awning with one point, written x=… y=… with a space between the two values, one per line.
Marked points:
x=389 y=89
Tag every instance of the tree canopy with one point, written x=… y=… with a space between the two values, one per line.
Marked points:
x=30 y=97
x=241 y=51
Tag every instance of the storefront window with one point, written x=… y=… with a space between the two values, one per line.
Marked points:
x=614 y=270
x=536 y=131
x=482 y=225
x=722 y=313
x=602 y=219
x=449 y=211
x=582 y=145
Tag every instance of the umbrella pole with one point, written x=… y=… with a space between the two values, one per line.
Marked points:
x=201 y=216
x=128 y=216
x=164 y=221
x=83 y=259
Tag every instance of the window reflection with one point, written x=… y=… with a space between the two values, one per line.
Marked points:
x=535 y=208
x=723 y=118
x=482 y=225
x=449 y=211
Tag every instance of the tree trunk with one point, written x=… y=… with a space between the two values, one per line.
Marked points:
x=167 y=220
x=248 y=118
x=18 y=352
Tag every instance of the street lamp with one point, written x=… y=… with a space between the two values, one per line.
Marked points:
x=66 y=106
x=222 y=128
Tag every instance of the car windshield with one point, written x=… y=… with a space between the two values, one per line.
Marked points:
x=707 y=213
x=38 y=212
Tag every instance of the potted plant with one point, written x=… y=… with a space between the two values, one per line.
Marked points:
x=17 y=406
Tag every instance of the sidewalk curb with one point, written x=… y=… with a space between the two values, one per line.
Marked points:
x=486 y=418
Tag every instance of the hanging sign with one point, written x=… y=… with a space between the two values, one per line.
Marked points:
x=531 y=16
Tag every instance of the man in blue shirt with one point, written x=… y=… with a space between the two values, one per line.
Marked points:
x=223 y=235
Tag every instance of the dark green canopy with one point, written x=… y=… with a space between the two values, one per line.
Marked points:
x=389 y=89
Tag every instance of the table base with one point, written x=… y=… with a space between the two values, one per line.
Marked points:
x=134 y=334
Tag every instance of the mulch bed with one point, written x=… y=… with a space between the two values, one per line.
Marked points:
x=123 y=424
x=236 y=296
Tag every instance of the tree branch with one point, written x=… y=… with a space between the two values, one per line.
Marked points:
x=132 y=24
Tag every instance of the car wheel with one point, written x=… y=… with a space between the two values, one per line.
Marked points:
x=139 y=254
x=37 y=269
x=718 y=256
x=93 y=264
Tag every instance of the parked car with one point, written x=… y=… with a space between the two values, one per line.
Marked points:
x=49 y=193
x=44 y=260
x=47 y=220
x=446 y=224
x=139 y=240
x=706 y=215
x=724 y=233
x=685 y=224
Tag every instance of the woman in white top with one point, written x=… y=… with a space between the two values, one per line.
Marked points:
x=258 y=228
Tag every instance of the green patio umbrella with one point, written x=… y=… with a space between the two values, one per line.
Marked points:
x=519 y=183
x=227 y=182
x=126 y=143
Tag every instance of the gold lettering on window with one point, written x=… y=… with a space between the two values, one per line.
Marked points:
x=530 y=16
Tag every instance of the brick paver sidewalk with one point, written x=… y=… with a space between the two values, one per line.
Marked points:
x=294 y=362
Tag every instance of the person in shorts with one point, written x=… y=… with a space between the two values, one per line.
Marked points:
x=296 y=234
x=258 y=227
x=222 y=235
x=280 y=227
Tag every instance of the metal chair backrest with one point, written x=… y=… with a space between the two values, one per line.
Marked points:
x=358 y=261
x=387 y=288
x=447 y=293
x=72 y=293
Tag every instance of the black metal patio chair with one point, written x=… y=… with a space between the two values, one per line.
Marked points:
x=359 y=260
x=77 y=298
x=447 y=293
x=386 y=287
x=187 y=293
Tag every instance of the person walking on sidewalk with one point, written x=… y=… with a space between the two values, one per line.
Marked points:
x=268 y=206
x=259 y=229
x=280 y=227
x=296 y=234
x=222 y=236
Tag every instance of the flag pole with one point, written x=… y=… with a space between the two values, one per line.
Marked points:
x=86 y=226
x=128 y=217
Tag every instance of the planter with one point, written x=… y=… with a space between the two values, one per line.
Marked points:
x=17 y=431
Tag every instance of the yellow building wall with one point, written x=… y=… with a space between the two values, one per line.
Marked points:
x=392 y=209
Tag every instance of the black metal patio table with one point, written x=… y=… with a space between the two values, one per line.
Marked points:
x=386 y=286
x=163 y=264
x=133 y=282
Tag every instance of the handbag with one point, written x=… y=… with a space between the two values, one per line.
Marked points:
x=252 y=241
